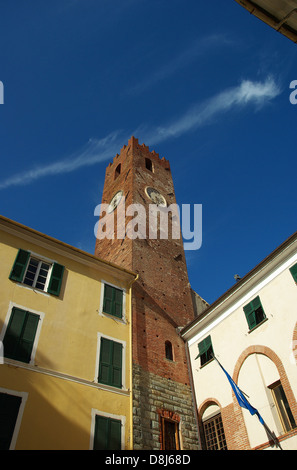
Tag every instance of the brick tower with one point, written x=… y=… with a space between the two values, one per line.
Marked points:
x=163 y=410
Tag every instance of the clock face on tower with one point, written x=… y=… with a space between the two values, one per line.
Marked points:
x=156 y=197
x=115 y=201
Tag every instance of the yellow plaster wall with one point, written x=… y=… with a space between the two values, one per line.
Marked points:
x=58 y=411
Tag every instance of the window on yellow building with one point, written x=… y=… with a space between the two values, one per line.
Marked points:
x=113 y=301
x=110 y=363
x=37 y=273
x=20 y=335
x=107 y=433
x=9 y=409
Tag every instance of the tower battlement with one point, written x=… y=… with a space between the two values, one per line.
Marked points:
x=134 y=146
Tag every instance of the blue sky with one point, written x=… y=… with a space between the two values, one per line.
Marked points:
x=204 y=84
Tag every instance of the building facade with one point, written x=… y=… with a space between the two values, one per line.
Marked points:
x=252 y=331
x=116 y=351
x=65 y=331
x=163 y=410
x=281 y=15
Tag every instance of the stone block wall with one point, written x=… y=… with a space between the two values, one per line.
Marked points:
x=154 y=397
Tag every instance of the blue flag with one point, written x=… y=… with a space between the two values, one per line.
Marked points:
x=243 y=402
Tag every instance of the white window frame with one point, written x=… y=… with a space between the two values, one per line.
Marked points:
x=40 y=259
x=101 y=311
x=37 y=335
x=117 y=340
x=121 y=418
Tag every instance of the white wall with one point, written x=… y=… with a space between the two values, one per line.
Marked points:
x=230 y=337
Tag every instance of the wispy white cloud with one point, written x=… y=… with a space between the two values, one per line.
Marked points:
x=99 y=150
x=95 y=151
x=248 y=92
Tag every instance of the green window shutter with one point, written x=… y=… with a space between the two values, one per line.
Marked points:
x=204 y=346
x=254 y=312
x=105 y=363
x=20 y=265
x=101 y=433
x=13 y=332
x=9 y=408
x=107 y=434
x=20 y=334
x=293 y=271
x=256 y=303
x=108 y=299
x=250 y=315
x=117 y=365
x=114 y=434
x=55 y=282
x=118 y=303
x=110 y=363
x=28 y=337
x=113 y=301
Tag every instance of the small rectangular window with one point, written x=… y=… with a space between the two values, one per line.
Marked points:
x=205 y=351
x=20 y=335
x=37 y=273
x=148 y=164
x=110 y=363
x=113 y=301
x=254 y=313
x=107 y=433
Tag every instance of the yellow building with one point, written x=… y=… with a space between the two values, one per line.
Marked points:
x=65 y=329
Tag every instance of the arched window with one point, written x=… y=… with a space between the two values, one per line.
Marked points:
x=213 y=429
x=117 y=171
x=274 y=404
x=148 y=164
x=168 y=350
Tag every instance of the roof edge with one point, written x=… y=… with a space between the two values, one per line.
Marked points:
x=288 y=242
x=77 y=251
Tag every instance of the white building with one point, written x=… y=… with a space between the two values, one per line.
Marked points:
x=281 y=15
x=252 y=331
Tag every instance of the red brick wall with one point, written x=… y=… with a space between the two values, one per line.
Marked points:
x=232 y=416
x=162 y=299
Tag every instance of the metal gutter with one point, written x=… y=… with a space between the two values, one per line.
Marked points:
x=267 y=17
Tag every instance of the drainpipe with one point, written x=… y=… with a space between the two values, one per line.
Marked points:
x=131 y=364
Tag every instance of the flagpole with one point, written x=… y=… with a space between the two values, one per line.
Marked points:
x=270 y=434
